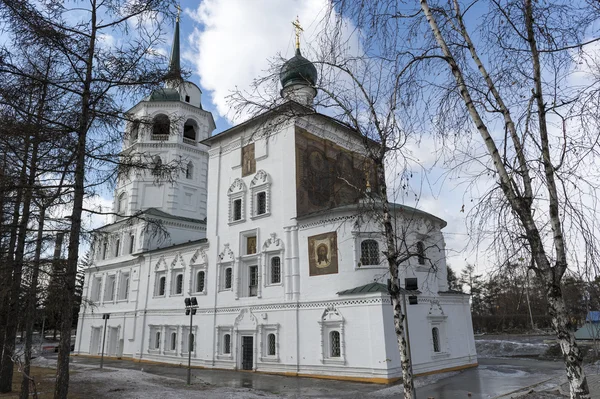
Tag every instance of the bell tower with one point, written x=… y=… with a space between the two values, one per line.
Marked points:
x=163 y=140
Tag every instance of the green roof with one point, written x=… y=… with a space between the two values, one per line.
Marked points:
x=588 y=331
x=373 y=288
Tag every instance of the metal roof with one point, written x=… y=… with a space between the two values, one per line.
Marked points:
x=588 y=331
x=373 y=288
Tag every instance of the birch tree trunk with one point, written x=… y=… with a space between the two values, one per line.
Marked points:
x=521 y=203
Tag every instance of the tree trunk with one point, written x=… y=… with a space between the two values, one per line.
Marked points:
x=61 y=388
x=15 y=262
x=566 y=339
x=31 y=302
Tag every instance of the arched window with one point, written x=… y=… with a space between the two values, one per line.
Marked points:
x=190 y=129
x=157 y=340
x=435 y=334
x=161 y=285
x=334 y=344
x=160 y=127
x=228 y=272
x=179 y=284
x=227 y=344
x=173 y=341
x=135 y=130
x=271 y=344
x=421 y=252
x=200 y=281
x=275 y=270
x=189 y=171
x=156 y=165
x=369 y=252
x=191 y=342
x=122 y=204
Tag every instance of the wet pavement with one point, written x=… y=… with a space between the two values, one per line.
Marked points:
x=494 y=377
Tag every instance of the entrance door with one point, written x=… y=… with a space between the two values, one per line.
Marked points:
x=247 y=353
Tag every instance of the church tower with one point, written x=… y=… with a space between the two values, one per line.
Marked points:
x=164 y=134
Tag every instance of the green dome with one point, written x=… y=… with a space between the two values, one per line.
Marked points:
x=298 y=70
x=165 y=94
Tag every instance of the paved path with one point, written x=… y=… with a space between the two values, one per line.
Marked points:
x=593 y=378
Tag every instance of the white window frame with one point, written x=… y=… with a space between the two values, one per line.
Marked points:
x=265 y=331
x=220 y=347
x=174 y=276
x=158 y=276
x=359 y=237
x=271 y=248
x=332 y=320
x=124 y=286
x=222 y=272
x=260 y=183
x=185 y=340
x=96 y=294
x=237 y=191
x=110 y=288
x=155 y=346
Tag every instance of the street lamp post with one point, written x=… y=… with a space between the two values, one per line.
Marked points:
x=191 y=305
x=105 y=316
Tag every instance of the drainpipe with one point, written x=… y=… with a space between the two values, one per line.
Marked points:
x=145 y=306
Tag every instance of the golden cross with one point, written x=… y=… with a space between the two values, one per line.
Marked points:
x=178 y=11
x=299 y=29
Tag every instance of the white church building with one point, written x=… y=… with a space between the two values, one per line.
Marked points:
x=270 y=229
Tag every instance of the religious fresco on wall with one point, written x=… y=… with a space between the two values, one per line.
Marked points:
x=322 y=254
x=248 y=160
x=327 y=175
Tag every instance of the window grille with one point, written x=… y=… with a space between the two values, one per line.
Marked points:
x=276 y=270
x=157 y=340
x=436 y=339
x=369 y=252
x=237 y=209
x=261 y=203
x=179 y=284
x=421 y=252
x=253 y=286
x=271 y=339
x=131 y=243
x=173 y=341
x=228 y=277
x=334 y=341
x=200 y=281
x=227 y=344
x=161 y=286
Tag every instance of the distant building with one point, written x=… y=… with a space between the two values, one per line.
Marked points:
x=591 y=328
x=267 y=231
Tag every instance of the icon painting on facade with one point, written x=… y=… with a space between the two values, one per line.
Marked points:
x=322 y=254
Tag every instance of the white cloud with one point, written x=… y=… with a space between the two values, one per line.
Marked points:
x=238 y=37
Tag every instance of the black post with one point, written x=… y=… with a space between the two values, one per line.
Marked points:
x=191 y=304
x=105 y=316
x=190 y=344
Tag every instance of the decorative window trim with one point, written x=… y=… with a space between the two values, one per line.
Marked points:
x=219 y=348
x=265 y=331
x=202 y=265
x=437 y=319
x=260 y=183
x=271 y=248
x=160 y=270
x=184 y=340
x=237 y=191
x=106 y=287
x=332 y=320
x=155 y=346
x=359 y=237
x=124 y=275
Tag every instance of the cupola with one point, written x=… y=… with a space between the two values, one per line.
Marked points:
x=298 y=76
